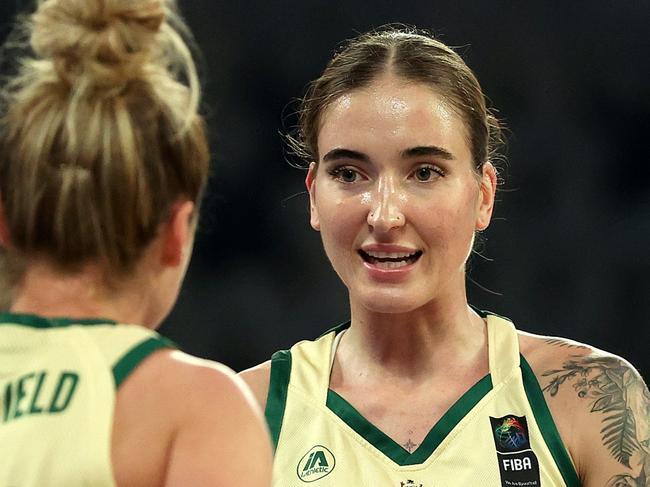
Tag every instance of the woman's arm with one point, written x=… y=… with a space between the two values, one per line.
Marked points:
x=602 y=408
x=222 y=440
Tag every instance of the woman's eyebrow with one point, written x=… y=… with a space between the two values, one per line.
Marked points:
x=339 y=153
x=428 y=150
x=419 y=151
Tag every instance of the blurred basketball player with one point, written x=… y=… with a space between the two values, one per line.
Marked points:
x=103 y=162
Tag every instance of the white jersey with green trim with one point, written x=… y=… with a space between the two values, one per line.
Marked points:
x=58 y=379
x=500 y=433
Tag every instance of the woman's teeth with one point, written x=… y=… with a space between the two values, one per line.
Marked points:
x=390 y=260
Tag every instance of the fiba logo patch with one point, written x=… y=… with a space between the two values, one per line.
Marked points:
x=518 y=463
x=316 y=464
x=511 y=434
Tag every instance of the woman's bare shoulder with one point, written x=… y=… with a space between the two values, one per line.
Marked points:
x=257 y=378
x=599 y=403
x=173 y=398
x=570 y=369
x=165 y=376
x=169 y=370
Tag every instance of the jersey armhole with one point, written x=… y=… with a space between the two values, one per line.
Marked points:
x=547 y=426
x=276 y=400
x=134 y=357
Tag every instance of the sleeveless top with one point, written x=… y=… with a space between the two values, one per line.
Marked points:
x=500 y=433
x=58 y=380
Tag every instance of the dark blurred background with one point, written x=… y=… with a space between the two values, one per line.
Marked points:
x=569 y=247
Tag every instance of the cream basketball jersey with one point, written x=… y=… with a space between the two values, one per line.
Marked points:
x=500 y=433
x=58 y=380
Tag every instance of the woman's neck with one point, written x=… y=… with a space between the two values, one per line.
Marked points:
x=414 y=346
x=47 y=292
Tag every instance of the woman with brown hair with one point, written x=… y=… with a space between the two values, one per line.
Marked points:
x=103 y=163
x=419 y=388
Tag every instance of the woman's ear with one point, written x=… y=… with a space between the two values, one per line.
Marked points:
x=310 y=181
x=178 y=231
x=487 y=192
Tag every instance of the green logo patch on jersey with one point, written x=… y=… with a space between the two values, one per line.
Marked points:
x=316 y=464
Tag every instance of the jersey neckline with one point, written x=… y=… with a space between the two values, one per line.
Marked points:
x=393 y=450
x=442 y=428
x=37 y=321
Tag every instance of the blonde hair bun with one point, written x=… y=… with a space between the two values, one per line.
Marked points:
x=99 y=131
x=98 y=42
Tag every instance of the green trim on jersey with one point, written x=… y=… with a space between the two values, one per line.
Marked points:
x=36 y=321
x=336 y=329
x=123 y=367
x=547 y=425
x=434 y=438
x=277 y=396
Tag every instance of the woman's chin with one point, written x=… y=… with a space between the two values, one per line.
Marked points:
x=390 y=301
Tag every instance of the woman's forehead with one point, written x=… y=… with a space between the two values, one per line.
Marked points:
x=392 y=111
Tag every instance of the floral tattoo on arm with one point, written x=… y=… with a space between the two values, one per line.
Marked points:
x=617 y=393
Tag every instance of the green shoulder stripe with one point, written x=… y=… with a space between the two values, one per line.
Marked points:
x=35 y=321
x=547 y=425
x=276 y=400
x=336 y=329
x=134 y=357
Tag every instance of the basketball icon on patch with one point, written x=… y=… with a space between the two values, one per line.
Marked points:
x=510 y=433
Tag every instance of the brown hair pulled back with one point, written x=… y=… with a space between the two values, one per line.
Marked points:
x=99 y=133
x=413 y=56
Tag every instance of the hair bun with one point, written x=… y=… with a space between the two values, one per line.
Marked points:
x=105 y=42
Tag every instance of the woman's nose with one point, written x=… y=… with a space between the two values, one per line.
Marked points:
x=386 y=210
